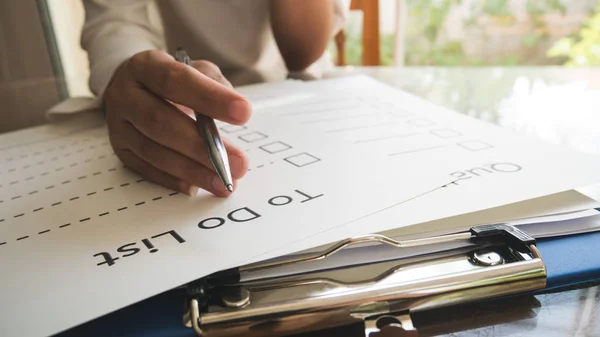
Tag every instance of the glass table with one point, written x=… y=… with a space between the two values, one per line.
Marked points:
x=558 y=105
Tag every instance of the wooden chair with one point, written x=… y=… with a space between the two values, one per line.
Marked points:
x=370 y=34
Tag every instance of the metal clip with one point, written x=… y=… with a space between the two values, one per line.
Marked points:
x=498 y=260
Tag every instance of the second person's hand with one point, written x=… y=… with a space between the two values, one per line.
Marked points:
x=149 y=106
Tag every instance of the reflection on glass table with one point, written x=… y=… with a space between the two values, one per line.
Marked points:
x=558 y=105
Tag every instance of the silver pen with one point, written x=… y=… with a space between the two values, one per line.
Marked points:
x=208 y=129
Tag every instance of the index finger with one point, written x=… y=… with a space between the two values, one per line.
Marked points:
x=164 y=76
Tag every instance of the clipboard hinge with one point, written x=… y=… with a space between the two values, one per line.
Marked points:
x=397 y=324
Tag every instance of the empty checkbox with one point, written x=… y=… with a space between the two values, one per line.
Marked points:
x=446 y=133
x=302 y=159
x=275 y=147
x=233 y=128
x=253 y=137
x=475 y=145
x=421 y=122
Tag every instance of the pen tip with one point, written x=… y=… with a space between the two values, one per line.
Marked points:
x=230 y=187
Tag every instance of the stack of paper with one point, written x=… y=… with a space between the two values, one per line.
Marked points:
x=329 y=160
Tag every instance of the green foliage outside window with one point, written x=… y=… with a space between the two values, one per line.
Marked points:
x=583 y=48
x=426 y=24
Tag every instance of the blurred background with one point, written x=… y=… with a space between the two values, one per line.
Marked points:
x=419 y=33
x=40 y=51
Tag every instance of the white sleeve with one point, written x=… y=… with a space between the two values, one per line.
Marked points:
x=342 y=10
x=115 y=30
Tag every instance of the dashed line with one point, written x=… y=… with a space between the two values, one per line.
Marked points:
x=49 y=187
x=139 y=181
x=81 y=220
x=91 y=193
x=57 y=169
x=126 y=184
x=15 y=197
x=28 y=178
x=66 y=182
x=2 y=243
x=56 y=203
x=33 y=192
x=74 y=198
x=97 y=173
x=108 y=188
x=52 y=149
x=82 y=177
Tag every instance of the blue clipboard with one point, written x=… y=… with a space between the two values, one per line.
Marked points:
x=570 y=261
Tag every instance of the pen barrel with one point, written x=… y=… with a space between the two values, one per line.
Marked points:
x=215 y=146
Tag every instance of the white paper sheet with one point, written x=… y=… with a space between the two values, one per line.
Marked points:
x=81 y=236
x=494 y=166
x=560 y=203
x=542 y=227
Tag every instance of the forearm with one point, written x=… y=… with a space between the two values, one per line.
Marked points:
x=113 y=32
x=302 y=29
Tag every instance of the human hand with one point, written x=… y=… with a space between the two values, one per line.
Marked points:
x=149 y=106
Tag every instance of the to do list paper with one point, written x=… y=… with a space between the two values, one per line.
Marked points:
x=78 y=230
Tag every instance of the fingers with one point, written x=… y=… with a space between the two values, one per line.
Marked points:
x=212 y=71
x=170 y=163
x=168 y=126
x=181 y=84
x=155 y=175
x=151 y=126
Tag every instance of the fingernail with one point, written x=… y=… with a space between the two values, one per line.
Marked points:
x=194 y=191
x=239 y=110
x=219 y=187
